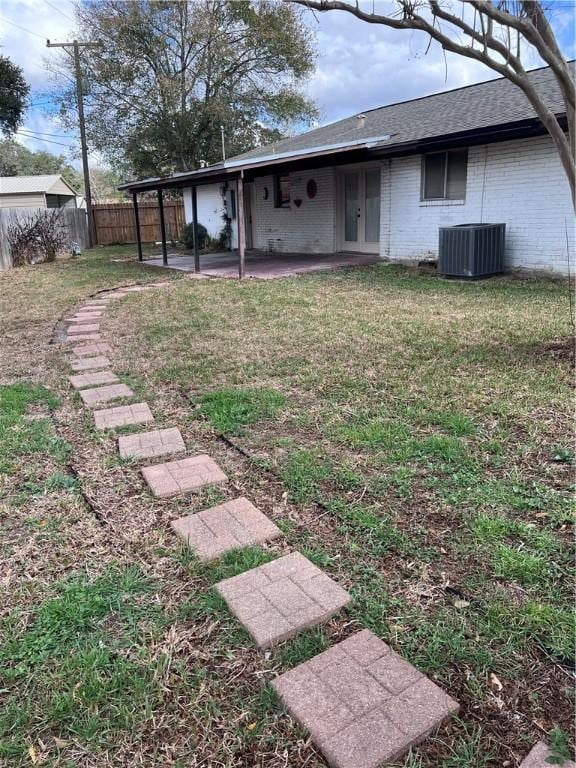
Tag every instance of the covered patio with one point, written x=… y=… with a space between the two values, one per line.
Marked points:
x=263 y=266
x=236 y=175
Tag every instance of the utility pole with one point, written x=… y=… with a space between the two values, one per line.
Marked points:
x=75 y=45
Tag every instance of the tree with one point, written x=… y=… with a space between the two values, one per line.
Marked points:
x=168 y=75
x=497 y=34
x=18 y=160
x=14 y=92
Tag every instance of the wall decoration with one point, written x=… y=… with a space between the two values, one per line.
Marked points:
x=311 y=188
x=297 y=203
x=265 y=193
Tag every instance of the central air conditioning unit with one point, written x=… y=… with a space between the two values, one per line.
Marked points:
x=471 y=250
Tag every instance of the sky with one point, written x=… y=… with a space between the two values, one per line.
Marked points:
x=360 y=66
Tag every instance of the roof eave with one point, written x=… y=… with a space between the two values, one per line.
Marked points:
x=489 y=134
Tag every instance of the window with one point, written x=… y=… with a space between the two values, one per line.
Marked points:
x=444 y=175
x=282 y=191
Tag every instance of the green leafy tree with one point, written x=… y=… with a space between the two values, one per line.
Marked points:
x=18 y=160
x=14 y=92
x=168 y=75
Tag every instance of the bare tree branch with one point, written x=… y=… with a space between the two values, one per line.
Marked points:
x=530 y=24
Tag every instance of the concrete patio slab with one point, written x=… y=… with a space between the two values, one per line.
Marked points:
x=86 y=363
x=93 y=379
x=232 y=525
x=97 y=395
x=538 y=758
x=87 y=350
x=123 y=416
x=265 y=266
x=355 y=715
x=183 y=476
x=279 y=599
x=146 y=445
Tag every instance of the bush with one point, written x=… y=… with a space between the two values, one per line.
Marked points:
x=36 y=238
x=187 y=236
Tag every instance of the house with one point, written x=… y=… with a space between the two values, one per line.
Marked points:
x=48 y=191
x=382 y=182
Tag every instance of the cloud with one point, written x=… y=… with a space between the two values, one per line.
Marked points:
x=360 y=66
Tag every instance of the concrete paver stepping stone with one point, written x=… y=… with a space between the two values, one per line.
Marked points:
x=83 y=328
x=123 y=416
x=279 y=599
x=93 y=379
x=84 y=337
x=86 y=363
x=84 y=317
x=538 y=758
x=233 y=525
x=362 y=703
x=183 y=476
x=145 y=445
x=88 y=350
x=98 y=395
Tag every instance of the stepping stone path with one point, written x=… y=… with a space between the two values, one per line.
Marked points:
x=184 y=476
x=91 y=349
x=279 y=599
x=93 y=379
x=229 y=526
x=98 y=395
x=84 y=317
x=538 y=758
x=87 y=328
x=84 y=364
x=123 y=416
x=84 y=337
x=149 y=444
x=362 y=703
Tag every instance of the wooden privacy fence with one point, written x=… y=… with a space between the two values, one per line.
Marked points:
x=114 y=222
x=72 y=220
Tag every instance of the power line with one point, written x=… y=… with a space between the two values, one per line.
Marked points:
x=45 y=133
x=40 y=138
x=22 y=28
x=59 y=11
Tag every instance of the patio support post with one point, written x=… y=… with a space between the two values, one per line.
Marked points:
x=241 y=226
x=137 y=222
x=162 y=228
x=195 y=226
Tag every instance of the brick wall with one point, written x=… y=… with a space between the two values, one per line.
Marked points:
x=520 y=183
x=309 y=228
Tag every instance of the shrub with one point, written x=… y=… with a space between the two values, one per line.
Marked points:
x=187 y=236
x=36 y=238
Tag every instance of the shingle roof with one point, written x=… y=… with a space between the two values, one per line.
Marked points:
x=15 y=185
x=472 y=107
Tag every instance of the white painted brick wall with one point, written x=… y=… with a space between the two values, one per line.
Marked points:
x=520 y=183
x=210 y=210
x=307 y=229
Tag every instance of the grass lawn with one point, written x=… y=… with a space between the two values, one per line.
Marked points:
x=411 y=436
